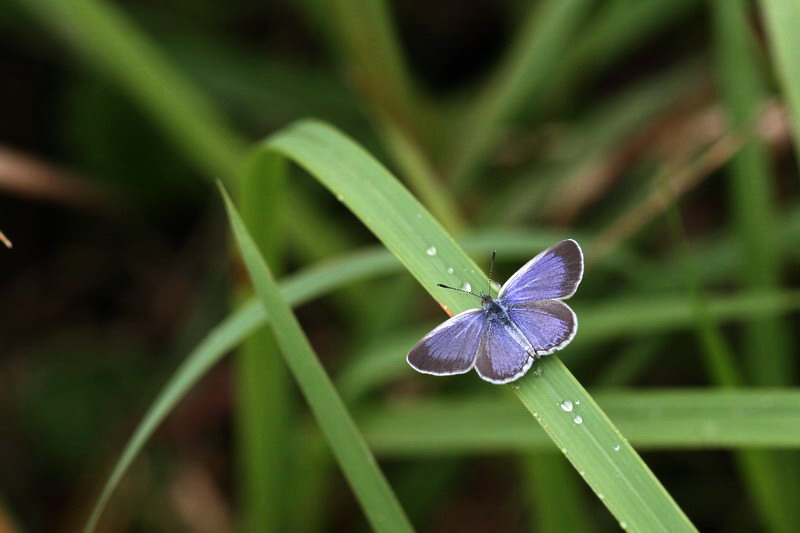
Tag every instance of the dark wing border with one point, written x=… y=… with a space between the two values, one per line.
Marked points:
x=527 y=266
x=446 y=324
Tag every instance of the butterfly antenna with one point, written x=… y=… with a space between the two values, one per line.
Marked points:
x=459 y=290
x=491 y=268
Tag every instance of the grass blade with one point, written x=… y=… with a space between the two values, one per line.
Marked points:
x=617 y=28
x=782 y=20
x=687 y=419
x=262 y=384
x=373 y=492
x=770 y=479
x=554 y=488
x=630 y=491
x=365 y=37
x=115 y=46
x=539 y=45
x=609 y=321
x=751 y=184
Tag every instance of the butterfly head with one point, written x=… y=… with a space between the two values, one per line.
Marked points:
x=486 y=298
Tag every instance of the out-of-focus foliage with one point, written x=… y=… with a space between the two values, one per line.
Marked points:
x=659 y=134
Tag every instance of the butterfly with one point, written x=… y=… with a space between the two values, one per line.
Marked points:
x=503 y=337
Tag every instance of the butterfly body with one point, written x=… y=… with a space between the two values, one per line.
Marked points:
x=503 y=337
x=497 y=316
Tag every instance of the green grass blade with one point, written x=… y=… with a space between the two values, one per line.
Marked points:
x=610 y=321
x=262 y=384
x=618 y=27
x=262 y=429
x=371 y=489
x=597 y=322
x=751 y=182
x=782 y=20
x=771 y=480
x=116 y=47
x=629 y=489
x=418 y=170
x=665 y=419
x=369 y=45
x=366 y=39
x=630 y=363
x=606 y=320
x=537 y=49
x=554 y=488
x=384 y=362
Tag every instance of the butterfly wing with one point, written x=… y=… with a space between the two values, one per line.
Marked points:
x=554 y=273
x=451 y=347
x=549 y=325
x=501 y=359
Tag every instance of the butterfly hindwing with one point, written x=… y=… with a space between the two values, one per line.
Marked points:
x=450 y=348
x=554 y=273
x=549 y=325
x=501 y=358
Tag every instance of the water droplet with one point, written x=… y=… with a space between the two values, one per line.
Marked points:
x=340 y=197
x=623 y=524
x=616 y=447
x=578 y=419
x=577 y=402
x=564 y=451
x=566 y=405
x=538 y=371
x=466 y=286
x=601 y=496
x=515 y=386
x=450 y=270
x=431 y=250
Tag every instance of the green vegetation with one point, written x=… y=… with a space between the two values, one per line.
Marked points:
x=660 y=139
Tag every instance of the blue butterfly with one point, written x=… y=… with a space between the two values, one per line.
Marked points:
x=503 y=338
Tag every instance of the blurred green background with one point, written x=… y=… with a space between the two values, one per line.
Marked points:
x=658 y=133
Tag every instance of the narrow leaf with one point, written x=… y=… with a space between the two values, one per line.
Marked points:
x=630 y=490
x=360 y=468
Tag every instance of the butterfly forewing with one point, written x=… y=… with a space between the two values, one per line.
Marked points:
x=554 y=273
x=450 y=348
x=501 y=358
x=549 y=325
